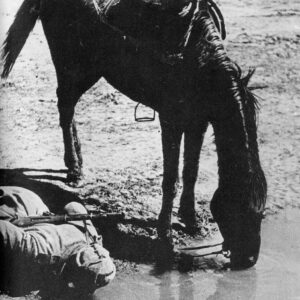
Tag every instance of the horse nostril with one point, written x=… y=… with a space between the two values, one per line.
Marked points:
x=245 y=256
x=99 y=281
x=242 y=262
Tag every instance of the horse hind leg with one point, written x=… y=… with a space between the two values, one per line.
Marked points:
x=70 y=89
x=193 y=140
x=72 y=157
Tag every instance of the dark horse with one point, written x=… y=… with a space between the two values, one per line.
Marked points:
x=185 y=75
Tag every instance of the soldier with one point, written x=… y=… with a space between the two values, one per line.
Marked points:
x=66 y=254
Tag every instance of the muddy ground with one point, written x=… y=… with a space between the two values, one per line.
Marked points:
x=122 y=158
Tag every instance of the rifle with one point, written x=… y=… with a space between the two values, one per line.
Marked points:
x=61 y=219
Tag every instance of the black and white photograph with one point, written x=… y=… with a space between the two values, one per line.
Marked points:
x=149 y=149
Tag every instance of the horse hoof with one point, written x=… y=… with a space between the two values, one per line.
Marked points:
x=186 y=262
x=189 y=220
x=75 y=179
x=164 y=252
x=164 y=228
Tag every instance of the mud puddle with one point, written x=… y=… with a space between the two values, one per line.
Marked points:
x=276 y=275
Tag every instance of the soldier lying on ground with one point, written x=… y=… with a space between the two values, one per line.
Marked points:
x=54 y=255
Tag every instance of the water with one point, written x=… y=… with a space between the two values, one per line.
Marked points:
x=276 y=275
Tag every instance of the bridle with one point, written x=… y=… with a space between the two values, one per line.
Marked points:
x=226 y=253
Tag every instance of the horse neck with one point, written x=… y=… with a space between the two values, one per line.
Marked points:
x=236 y=147
x=203 y=41
x=233 y=119
x=240 y=172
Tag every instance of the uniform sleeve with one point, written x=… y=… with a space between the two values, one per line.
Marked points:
x=11 y=237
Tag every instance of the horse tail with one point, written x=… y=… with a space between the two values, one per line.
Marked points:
x=18 y=33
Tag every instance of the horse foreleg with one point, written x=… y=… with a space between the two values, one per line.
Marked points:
x=193 y=140
x=72 y=157
x=171 y=138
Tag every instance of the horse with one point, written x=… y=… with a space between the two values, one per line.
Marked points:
x=185 y=75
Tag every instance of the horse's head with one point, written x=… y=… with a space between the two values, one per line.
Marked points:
x=238 y=204
x=239 y=219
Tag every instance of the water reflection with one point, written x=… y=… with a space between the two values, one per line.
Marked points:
x=165 y=287
x=186 y=290
x=276 y=275
x=236 y=285
x=179 y=286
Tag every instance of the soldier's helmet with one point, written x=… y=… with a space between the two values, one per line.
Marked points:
x=90 y=268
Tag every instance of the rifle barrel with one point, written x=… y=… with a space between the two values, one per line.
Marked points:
x=60 y=219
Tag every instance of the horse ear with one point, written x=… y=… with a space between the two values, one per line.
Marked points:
x=247 y=78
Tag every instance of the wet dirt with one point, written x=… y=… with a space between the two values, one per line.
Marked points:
x=123 y=159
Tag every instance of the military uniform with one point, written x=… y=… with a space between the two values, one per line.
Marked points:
x=72 y=251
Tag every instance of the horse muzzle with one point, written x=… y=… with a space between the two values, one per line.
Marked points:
x=243 y=254
x=240 y=227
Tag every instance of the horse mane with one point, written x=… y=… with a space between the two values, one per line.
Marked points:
x=255 y=182
x=256 y=190
x=205 y=42
x=206 y=48
x=255 y=185
x=252 y=101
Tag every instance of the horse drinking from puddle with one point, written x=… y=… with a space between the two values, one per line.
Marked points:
x=173 y=61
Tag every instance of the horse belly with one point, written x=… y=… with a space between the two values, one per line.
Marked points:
x=126 y=76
